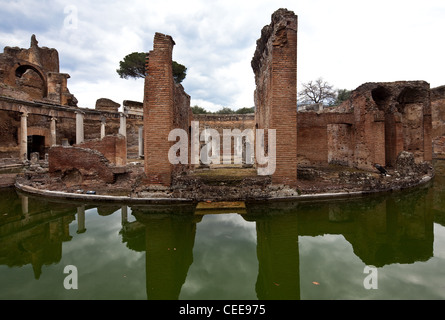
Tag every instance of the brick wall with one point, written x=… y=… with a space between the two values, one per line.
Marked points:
x=438 y=120
x=114 y=148
x=90 y=164
x=181 y=120
x=275 y=67
x=166 y=106
x=378 y=122
x=316 y=141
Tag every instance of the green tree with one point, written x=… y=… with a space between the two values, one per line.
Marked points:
x=225 y=110
x=179 y=72
x=199 y=110
x=342 y=95
x=245 y=110
x=133 y=66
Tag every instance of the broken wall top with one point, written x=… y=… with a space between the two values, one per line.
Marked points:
x=46 y=58
x=274 y=34
x=393 y=96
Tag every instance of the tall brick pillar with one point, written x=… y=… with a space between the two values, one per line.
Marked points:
x=158 y=110
x=275 y=67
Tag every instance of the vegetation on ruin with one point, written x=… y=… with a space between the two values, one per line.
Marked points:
x=320 y=91
x=317 y=91
x=342 y=95
x=133 y=66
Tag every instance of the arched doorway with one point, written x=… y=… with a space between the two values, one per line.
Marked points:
x=31 y=80
x=36 y=143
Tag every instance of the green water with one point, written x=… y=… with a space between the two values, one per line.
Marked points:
x=286 y=250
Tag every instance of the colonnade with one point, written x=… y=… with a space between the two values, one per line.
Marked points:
x=80 y=136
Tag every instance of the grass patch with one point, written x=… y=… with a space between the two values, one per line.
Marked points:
x=228 y=176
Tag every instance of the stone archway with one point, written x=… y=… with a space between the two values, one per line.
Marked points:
x=31 y=80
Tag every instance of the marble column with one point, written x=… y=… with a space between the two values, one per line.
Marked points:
x=79 y=127
x=25 y=208
x=24 y=136
x=124 y=215
x=123 y=124
x=81 y=219
x=53 y=131
x=102 y=127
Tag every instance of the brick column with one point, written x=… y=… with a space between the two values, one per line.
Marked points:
x=275 y=67
x=158 y=111
x=141 y=141
x=284 y=107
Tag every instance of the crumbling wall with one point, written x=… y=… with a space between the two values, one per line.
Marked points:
x=375 y=125
x=317 y=137
x=391 y=118
x=275 y=67
x=108 y=105
x=438 y=121
x=166 y=107
x=33 y=74
x=114 y=148
x=79 y=165
x=9 y=124
x=340 y=144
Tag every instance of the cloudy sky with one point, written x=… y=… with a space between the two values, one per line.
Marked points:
x=346 y=42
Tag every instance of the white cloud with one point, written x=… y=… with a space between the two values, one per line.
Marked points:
x=345 y=42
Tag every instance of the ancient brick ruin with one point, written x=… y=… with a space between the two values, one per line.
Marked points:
x=33 y=74
x=166 y=107
x=398 y=125
x=275 y=67
x=379 y=121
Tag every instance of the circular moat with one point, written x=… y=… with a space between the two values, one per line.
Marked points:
x=387 y=245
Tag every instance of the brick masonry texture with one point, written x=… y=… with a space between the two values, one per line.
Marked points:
x=114 y=148
x=166 y=106
x=79 y=163
x=275 y=67
x=375 y=125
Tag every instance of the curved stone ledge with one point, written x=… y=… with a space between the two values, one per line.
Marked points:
x=97 y=198
x=158 y=200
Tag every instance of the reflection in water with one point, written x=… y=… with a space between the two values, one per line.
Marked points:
x=32 y=234
x=169 y=240
x=382 y=230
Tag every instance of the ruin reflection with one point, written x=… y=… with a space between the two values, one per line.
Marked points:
x=32 y=232
x=382 y=230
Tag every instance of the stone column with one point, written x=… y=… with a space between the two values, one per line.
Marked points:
x=102 y=127
x=53 y=131
x=123 y=124
x=81 y=219
x=141 y=141
x=79 y=127
x=124 y=215
x=24 y=136
x=25 y=208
